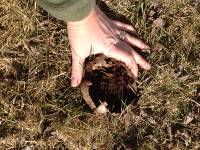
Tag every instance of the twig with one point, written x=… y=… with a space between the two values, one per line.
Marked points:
x=195 y=102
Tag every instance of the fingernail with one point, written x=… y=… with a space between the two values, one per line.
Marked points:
x=74 y=82
x=135 y=74
x=148 y=67
x=147 y=47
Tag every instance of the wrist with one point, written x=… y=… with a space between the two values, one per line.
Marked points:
x=85 y=20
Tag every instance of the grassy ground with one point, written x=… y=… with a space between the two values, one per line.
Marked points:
x=39 y=110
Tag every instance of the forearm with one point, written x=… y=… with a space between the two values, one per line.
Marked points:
x=68 y=10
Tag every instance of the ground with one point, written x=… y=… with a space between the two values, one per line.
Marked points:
x=39 y=110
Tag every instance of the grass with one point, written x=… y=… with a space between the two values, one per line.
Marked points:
x=39 y=109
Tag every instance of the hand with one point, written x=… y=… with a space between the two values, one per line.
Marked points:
x=98 y=34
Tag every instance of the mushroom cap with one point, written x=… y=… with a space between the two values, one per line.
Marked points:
x=107 y=84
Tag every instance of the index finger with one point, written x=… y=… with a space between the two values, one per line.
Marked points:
x=123 y=53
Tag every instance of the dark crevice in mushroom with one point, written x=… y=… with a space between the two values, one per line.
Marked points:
x=111 y=82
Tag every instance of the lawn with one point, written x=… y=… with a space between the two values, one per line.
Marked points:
x=39 y=110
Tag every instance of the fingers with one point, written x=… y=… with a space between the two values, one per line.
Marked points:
x=123 y=53
x=77 y=71
x=124 y=27
x=126 y=54
x=130 y=39
x=141 y=61
x=136 y=42
x=133 y=40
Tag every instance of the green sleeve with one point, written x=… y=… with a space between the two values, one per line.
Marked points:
x=67 y=10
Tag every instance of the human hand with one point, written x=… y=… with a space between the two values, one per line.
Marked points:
x=98 y=34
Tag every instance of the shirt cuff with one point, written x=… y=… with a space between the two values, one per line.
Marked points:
x=68 y=10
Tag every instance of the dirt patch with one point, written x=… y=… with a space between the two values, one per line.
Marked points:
x=12 y=70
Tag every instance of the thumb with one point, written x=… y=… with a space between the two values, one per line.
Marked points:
x=77 y=70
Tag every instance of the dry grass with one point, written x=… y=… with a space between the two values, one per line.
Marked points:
x=39 y=110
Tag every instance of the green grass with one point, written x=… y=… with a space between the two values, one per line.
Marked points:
x=39 y=109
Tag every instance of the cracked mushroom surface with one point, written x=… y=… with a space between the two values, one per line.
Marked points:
x=107 y=84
